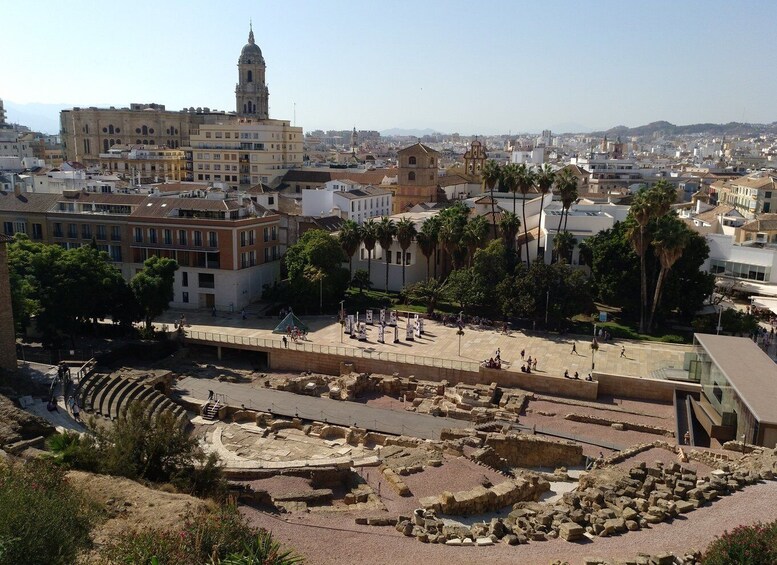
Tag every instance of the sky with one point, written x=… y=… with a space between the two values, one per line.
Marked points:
x=473 y=67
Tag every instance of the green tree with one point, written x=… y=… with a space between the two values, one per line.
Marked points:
x=406 y=232
x=426 y=246
x=369 y=236
x=525 y=178
x=386 y=230
x=153 y=287
x=464 y=288
x=474 y=236
x=430 y=292
x=637 y=223
x=563 y=246
x=350 y=238
x=509 y=226
x=361 y=279
x=510 y=180
x=670 y=238
x=453 y=221
x=566 y=183
x=491 y=265
x=545 y=179
x=314 y=265
x=491 y=173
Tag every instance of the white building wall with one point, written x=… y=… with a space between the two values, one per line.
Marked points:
x=233 y=290
x=415 y=270
x=316 y=202
x=722 y=248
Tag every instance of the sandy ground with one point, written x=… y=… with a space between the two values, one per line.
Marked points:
x=335 y=539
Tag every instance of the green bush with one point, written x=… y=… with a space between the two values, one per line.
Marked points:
x=135 y=447
x=43 y=519
x=205 y=538
x=744 y=545
x=671 y=338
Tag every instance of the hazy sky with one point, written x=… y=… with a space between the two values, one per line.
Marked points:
x=483 y=66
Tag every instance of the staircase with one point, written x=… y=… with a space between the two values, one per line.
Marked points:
x=211 y=411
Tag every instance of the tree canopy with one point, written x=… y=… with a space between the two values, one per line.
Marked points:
x=153 y=286
x=314 y=266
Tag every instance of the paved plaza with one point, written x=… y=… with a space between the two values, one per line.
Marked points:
x=554 y=352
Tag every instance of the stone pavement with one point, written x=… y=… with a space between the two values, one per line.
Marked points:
x=320 y=409
x=554 y=352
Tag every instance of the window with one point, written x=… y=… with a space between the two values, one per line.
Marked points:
x=185 y=297
x=167 y=236
x=411 y=175
x=252 y=237
x=152 y=235
x=184 y=278
x=206 y=280
x=115 y=253
x=58 y=230
x=198 y=238
x=101 y=234
x=8 y=228
x=181 y=237
x=138 y=235
x=213 y=240
x=399 y=257
x=72 y=231
x=243 y=238
x=86 y=231
x=266 y=254
x=37 y=231
x=115 y=233
x=407 y=258
x=274 y=233
x=411 y=161
x=266 y=234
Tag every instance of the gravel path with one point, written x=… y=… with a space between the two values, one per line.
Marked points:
x=319 y=539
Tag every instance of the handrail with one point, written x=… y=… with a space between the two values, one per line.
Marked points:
x=342 y=351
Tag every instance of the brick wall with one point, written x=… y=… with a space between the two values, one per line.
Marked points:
x=7 y=334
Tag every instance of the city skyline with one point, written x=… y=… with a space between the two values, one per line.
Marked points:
x=440 y=66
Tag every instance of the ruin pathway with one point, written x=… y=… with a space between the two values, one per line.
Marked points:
x=320 y=409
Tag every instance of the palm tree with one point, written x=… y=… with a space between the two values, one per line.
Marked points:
x=509 y=226
x=545 y=179
x=386 y=229
x=510 y=179
x=405 y=233
x=567 y=189
x=474 y=235
x=426 y=247
x=670 y=239
x=431 y=292
x=350 y=238
x=427 y=240
x=451 y=233
x=563 y=245
x=369 y=235
x=525 y=180
x=491 y=174
x=636 y=226
x=661 y=197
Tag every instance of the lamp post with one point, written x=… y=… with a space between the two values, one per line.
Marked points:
x=720 y=318
x=342 y=320
x=594 y=349
x=460 y=333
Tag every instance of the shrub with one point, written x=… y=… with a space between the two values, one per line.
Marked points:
x=43 y=519
x=216 y=537
x=75 y=451
x=744 y=545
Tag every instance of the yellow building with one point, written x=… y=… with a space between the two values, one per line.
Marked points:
x=418 y=177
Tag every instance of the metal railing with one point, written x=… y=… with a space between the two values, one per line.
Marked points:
x=341 y=351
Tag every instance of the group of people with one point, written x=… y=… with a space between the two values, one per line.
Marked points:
x=530 y=365
x=603 y=334
x=576 y=376
x=494 y=362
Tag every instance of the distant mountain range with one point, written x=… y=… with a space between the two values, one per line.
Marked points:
x=668 y=129
x=400 y=132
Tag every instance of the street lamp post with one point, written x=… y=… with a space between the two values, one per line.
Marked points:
x=547 y=302
x=594 y=349
x=460 y=333
x=342 y=320
x=720 y=318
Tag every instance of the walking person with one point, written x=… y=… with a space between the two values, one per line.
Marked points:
x=623 y=351
x=243 y=313
x=523 y=352
x=574 y=348
x=534 y=364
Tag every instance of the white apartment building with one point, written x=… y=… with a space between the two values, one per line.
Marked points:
x=243 y=151
x=347 y=199
x=584 y=221
x=13 y=151
x=528 y=155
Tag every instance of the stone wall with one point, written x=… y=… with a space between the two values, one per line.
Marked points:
x=7 y=332
x=621 y=386
x=480 y=499
x=532 y=451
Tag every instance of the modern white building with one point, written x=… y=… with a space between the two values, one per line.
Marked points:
x=585 y=220
x=528 y=155
x=347 y=199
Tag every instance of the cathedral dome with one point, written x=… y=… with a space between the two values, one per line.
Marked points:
x=251 y=52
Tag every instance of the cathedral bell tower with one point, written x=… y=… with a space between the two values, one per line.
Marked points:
x=251 y=94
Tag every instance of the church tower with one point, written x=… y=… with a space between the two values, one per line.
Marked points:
x=251 y=94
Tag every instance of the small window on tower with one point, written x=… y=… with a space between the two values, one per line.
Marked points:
x=250 y=76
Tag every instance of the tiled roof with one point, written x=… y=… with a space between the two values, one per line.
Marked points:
x=712 y=215
x=424 y=148
x=451 y=180
x=103 y=198
x=759 y=182
x=764 y=222
x=27 y=202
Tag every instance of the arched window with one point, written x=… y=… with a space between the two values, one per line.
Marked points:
x=145 y=130
x=245 y=109
x=250 y=76
x=411 y=161
x=110 y=130
x=411 y=174
x=145 y=142
x=113 y=142
x=105 y=146
x=431 y=161
x=118 y=141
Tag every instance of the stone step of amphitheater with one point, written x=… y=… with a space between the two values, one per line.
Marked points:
x=109 y=395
